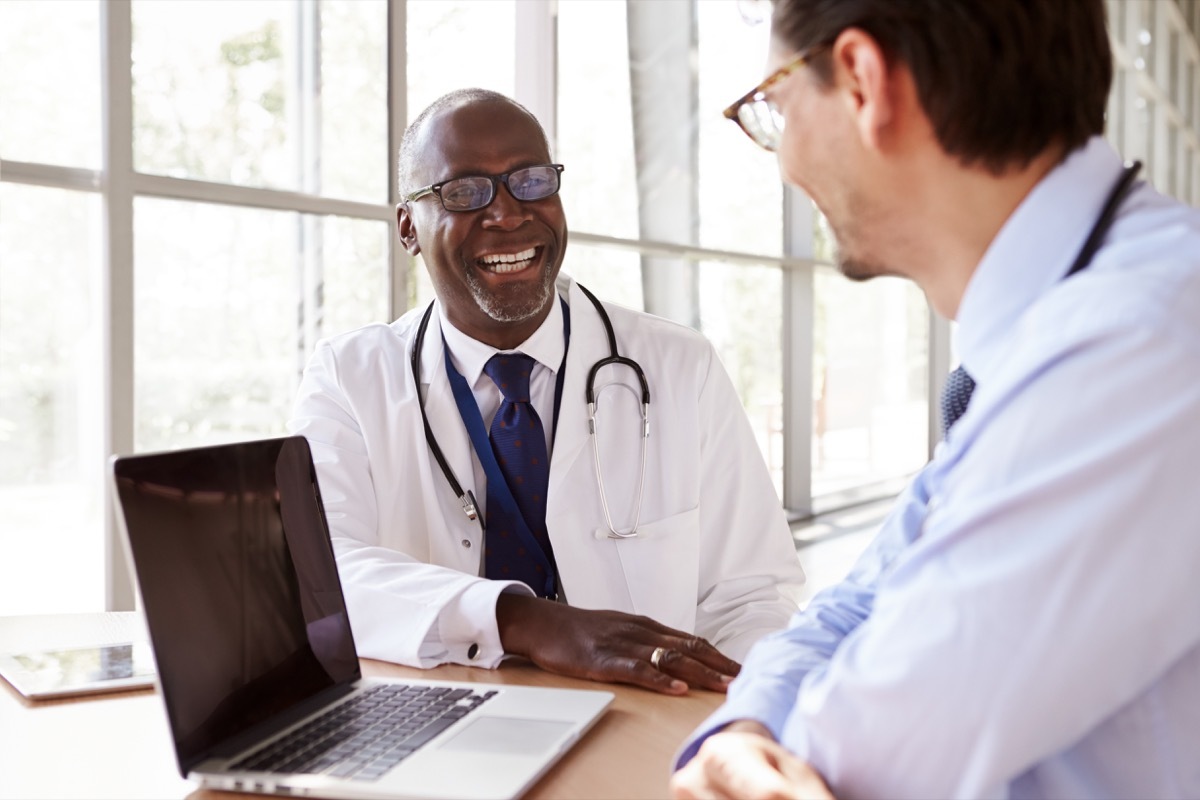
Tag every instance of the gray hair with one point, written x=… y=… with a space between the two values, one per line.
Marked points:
x=407 y=157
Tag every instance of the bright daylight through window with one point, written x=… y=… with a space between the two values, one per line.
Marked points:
x=192 y=193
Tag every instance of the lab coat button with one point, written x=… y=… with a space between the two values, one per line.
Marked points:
x=466 y=543
x=472 y=651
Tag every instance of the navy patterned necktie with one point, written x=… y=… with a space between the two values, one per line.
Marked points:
x=955 y=397
x=519 y=442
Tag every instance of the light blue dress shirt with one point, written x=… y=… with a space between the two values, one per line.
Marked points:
x=1027 y=621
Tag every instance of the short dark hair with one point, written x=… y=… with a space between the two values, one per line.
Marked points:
x=1000 y=80
x=407 y=156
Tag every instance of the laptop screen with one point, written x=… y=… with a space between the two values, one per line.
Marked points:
x=239 y=585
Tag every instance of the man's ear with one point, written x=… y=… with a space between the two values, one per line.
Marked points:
x=406 y=229
x=862 y=71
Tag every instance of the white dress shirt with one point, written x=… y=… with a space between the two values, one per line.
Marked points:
x=1027 y=622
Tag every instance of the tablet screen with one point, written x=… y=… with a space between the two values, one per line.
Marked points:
x=85 y=670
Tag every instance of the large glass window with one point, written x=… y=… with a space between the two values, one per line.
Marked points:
x=212 y=92
x=219 y=343
x=1154 y=109
x=870 y=382
x=354 y=263
x=741 y=313
x=353 y=95
x=215 y=323
x=50 y=82
x=458 y=44
x=51 y=412
x=261 y=222
x=595 y=120
x=263 y=93
x=615 y=275
x=740 y=194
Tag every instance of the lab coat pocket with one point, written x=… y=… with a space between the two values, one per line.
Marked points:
x=661 y=566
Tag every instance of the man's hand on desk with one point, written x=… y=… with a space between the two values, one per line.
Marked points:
x=744 y=761
x=609 y=646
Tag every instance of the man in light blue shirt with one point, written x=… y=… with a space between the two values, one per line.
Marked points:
x=1027 y=621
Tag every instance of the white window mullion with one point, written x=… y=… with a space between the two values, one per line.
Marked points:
x=305 y=110
x=397 y=94
x=116 y=298
x=940 y=347
x=799 y=344
x=536 y=61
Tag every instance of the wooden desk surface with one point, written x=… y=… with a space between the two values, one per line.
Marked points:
x=118 y=746
x=627 y=753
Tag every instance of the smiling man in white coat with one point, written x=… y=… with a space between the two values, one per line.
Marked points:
x=456 y=542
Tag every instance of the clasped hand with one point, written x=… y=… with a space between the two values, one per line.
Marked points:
x=609 y=646
x=744 y=762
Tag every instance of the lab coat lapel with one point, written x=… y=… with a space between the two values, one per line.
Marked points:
x=588 y=344
x=444 y=418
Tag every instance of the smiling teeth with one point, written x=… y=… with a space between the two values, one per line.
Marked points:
x=509 y=262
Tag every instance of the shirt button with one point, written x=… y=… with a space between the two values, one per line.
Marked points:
x=466 y=543
x=472 y=651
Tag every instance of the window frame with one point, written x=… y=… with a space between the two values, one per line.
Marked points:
x=119 y=185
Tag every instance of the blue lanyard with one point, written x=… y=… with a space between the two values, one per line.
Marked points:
x=468 y=410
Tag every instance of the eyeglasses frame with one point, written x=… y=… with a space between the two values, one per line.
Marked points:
x=436 y=188
x=759 y=93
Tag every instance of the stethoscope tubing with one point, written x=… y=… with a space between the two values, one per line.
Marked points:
x=467 y=498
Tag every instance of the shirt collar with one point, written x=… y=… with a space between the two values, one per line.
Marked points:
x=546 y=345
x=1032 y=252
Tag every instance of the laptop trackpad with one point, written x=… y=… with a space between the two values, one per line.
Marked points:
x=508 y=736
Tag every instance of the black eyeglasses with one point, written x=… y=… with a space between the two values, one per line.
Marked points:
x=474 y=192
x=759 y=117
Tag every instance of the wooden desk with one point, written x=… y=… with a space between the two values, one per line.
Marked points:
x=627 y=754
x=104 y=746
x=118 y=746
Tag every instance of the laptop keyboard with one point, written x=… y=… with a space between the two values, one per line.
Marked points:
x=369 y=734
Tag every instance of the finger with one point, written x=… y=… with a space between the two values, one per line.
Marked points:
x=693 y=672
x=765 y=784
x=637 y=672
x=700 y=650
x=691 y=645
x=690 y=784
x=651 y=630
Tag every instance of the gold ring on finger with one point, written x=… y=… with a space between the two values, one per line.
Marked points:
x=657 y=656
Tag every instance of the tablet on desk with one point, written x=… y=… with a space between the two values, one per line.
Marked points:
x=85 y=670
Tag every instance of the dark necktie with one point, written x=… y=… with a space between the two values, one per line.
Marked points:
x=519 y=443
x=955 y=397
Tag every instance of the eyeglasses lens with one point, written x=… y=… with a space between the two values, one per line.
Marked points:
x=528 y=184
x=533 y=183
x=466 y=194
x=763 y=122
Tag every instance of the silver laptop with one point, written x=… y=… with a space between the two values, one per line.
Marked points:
x=256 y=661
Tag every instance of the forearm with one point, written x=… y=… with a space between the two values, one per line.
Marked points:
x=776 y=666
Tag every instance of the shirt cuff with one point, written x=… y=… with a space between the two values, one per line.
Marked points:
x=757 y=707
x=467 y=625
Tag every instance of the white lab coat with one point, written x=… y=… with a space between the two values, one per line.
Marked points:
x=714 y=554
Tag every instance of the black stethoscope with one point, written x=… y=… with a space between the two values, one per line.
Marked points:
x=467 y=497
x=1104 y=222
